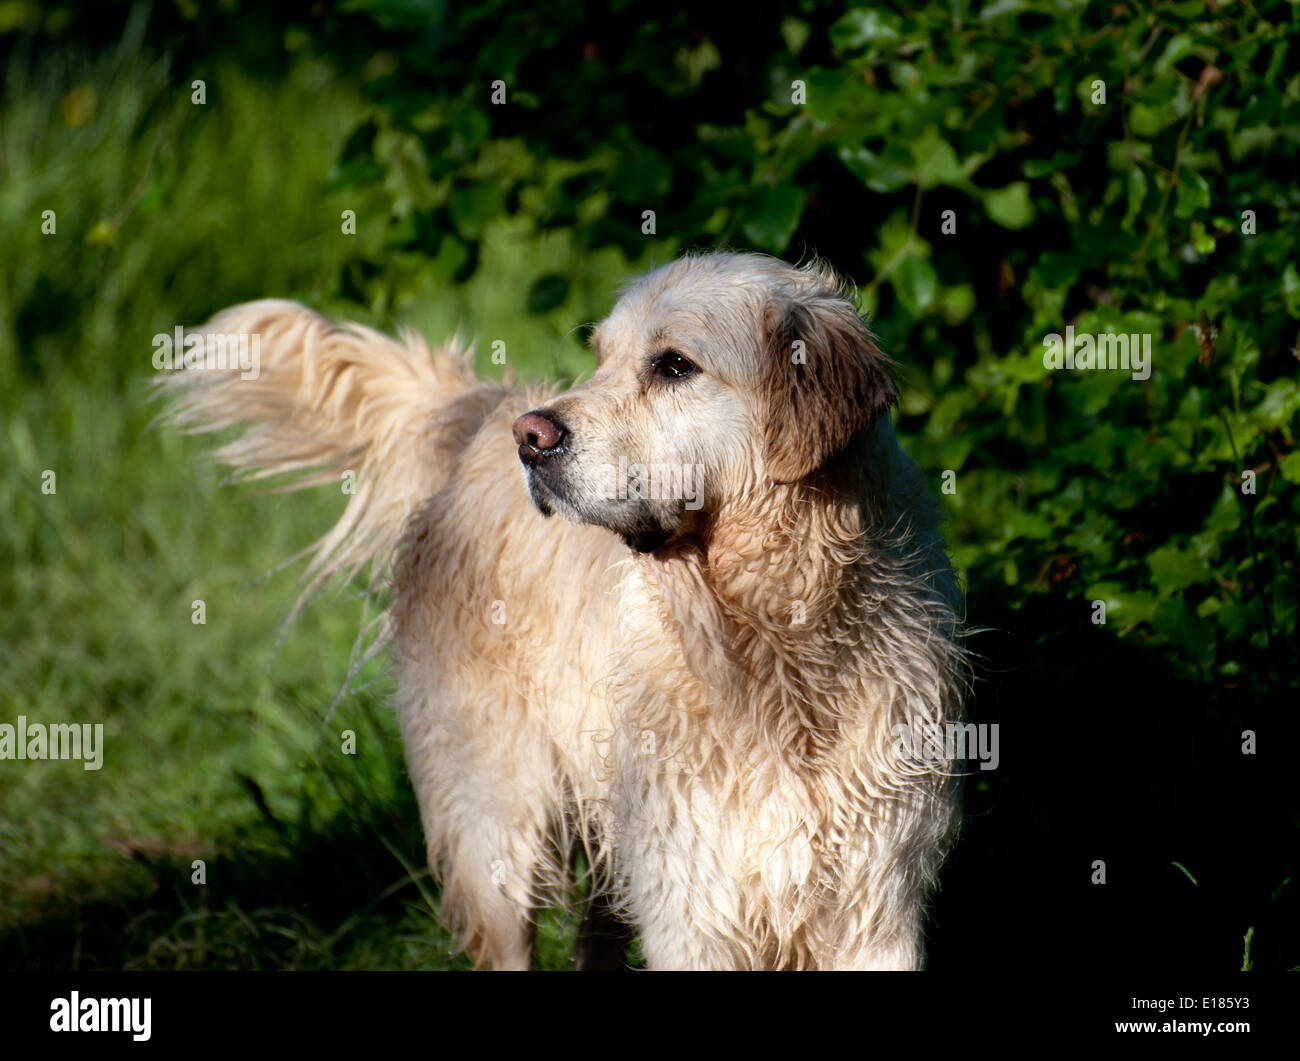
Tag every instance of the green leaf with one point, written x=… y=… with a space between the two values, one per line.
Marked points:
x=1136 y=185
x=915 y=284
x=881 y=173
x=957 y=303
x=450 y=259
x=1042 y=167
x=1289 y=466
x=473 y=206
x=864 y=26
x=795 y=33
x=1174 y=569
x=1010 y=207
x=407 y=178
x=773 y=216
x=1193 y=194
x=1281 y=402
x=1291 y=290
x=1125 y=608
x=1202 y=241
x=935 y=161
x=1002 y=8
x=1148 y=121
x=1178 y=48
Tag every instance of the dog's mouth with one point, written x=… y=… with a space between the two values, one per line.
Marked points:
x=647 y=541
x=542 y=496
x=639 y=528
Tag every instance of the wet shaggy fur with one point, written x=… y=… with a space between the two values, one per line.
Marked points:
x=704 y=690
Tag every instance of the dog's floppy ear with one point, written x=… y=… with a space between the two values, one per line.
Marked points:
x=823 y=392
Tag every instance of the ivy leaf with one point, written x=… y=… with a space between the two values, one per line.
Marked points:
x=1174 y=569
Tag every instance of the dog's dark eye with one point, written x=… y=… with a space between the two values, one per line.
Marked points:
x=671 y=365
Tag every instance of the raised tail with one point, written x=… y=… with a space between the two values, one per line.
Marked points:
x=321 y=400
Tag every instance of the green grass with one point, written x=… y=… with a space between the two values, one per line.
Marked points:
x=215 y=744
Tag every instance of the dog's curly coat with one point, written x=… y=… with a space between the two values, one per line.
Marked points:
x=704 y=694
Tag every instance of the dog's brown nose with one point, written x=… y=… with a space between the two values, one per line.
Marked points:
x=537 y=434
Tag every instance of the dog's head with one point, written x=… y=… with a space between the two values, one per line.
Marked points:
x=715 y=376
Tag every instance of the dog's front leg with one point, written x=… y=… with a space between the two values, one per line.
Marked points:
x=683 y=899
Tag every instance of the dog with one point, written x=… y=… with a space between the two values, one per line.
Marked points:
x=677 y=616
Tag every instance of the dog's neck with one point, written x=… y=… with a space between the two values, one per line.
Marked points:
x=785 y=571
x=776 y=557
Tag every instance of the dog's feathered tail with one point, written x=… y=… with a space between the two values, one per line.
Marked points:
x=328 y=399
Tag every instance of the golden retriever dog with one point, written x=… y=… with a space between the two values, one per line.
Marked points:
x=677 y=615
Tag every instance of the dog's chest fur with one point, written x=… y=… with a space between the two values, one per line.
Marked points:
x=763 y=772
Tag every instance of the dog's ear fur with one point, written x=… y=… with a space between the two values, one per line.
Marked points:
x=819 y=400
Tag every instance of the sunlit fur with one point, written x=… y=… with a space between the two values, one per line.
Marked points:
x=714 y=719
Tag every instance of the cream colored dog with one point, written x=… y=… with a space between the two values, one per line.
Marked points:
x=699 y=671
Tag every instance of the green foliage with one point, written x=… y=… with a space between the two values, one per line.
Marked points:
x=1098 y=161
